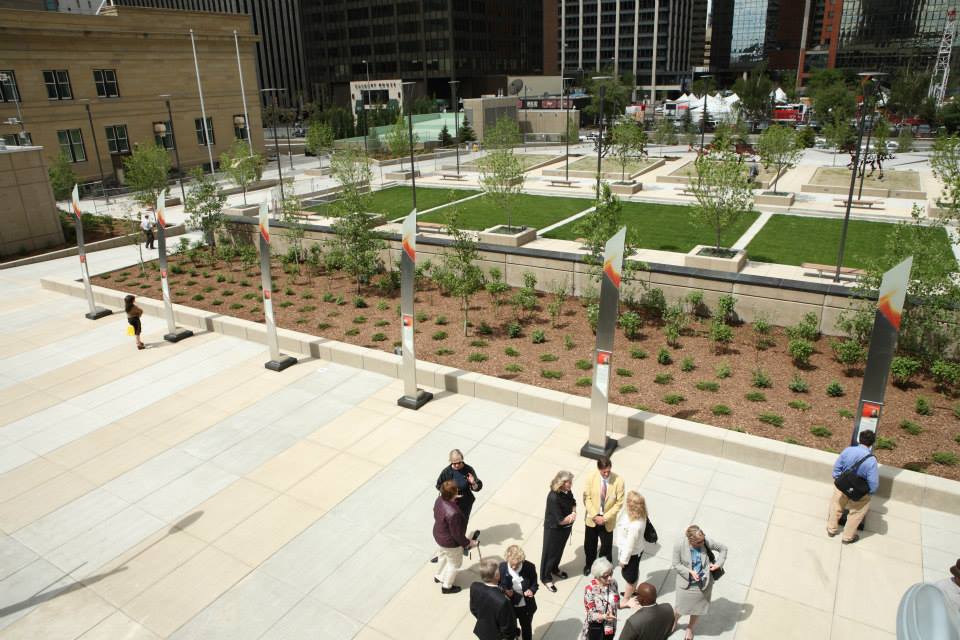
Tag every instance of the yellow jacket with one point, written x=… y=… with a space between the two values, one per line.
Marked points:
x=611 y=508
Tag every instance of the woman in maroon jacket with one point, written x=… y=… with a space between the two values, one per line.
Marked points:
x=450 y=532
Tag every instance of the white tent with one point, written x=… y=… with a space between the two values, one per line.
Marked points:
x=779 y=96
x=718 y=107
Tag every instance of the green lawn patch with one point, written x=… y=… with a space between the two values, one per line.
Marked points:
x=527 y=160
x=892 y=179
x=794 y=240
x=666 y=227
x=398 y=201
x=532 y=211
x=611 y=165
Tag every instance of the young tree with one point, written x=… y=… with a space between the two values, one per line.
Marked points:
x=723 y=191
x=616 y=96
x=629 y=141
x=501 y=172
x=399 y=142
x=62 y=177
x=840 y=134
x=295 y=230
x=146 y=172
x=598 y=226
x=573 y=129
x=204 y=205
x=465 y=277
x=778 y=148
x=466 y=132
x=946 y=167
x=358 y=246
x=754 y=92
x=880 y=138
x=445 y=139
x=240 y=165
x=319 y=140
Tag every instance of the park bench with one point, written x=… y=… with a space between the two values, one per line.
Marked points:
x=431 y=227
x=860 y=204
x=687 y=192
x=828 y=270
x=451 y=176
x=560 y=182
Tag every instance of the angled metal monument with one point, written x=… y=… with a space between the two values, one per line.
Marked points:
x=599 y=443
x=173 y=334
x=95 y=312
x=412 y=398
x=278 y=361
x=883 y=346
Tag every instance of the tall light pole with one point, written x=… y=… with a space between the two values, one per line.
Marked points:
x=566 y=134
x=413 y=171
x=176 y=152
x=866 y=78
x=456 y=120
x=243 y=95
x=276 y=142
x=873 y=94
x=96 y=149
x=603 y=95
x=363 y=105
x=203 y=108
x=703 y=114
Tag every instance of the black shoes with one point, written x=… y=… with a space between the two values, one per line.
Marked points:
x=453 y=589
x=586 y=571
x=434 y=559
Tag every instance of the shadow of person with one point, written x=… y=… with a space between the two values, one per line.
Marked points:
x=559 y=629
x=723 y=616
x=45 y=596
x=501 y=532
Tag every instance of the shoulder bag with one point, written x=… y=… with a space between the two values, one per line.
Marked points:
x=715 y=574
x=851 y=484
x=650 y=533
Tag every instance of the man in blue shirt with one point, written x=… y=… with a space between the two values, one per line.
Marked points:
x=856 y=509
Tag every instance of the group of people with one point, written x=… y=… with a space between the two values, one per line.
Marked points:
x=504 y=601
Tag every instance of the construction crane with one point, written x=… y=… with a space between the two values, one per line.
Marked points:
x=941 y=70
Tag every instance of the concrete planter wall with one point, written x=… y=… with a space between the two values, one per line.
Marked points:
x=325 y=171
x=677 y=178
x=487 y=236
x=936 y=210
x=417 y=157
x=401 y=175
x=625 y=188
x=729 y=265
x=242 y=210
x=768 y=198
x=253 y=186
x=868 y=192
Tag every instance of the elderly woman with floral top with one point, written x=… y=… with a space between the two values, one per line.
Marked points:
x=601 y=599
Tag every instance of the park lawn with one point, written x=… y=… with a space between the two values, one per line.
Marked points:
x=794 y=240
x=611 y=165
x=527 y=160
x=689 y=170
x=532 y=211
x=892 y=179
x=398 y=201
x=666 y=227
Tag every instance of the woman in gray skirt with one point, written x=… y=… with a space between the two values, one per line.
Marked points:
x=692 y=563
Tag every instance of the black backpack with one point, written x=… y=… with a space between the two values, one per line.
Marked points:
x=852 y=485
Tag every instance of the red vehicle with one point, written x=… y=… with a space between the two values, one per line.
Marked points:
x=789 y=113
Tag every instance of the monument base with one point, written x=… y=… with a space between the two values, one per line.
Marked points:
x=178 y=335
x=281 y=364
x=594 y=452
x=422 y=398
x=97 y=313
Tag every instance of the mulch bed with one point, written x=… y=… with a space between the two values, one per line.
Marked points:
x=299 y=304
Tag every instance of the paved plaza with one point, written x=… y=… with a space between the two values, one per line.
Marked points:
x=186 y=492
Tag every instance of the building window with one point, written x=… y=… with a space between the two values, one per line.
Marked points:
x=71 y=145
x=239 y=127
x=8 y=87
x=201 y=138
x=106 y=81
x=58 y=85
x=117 y=139
x=165 y=140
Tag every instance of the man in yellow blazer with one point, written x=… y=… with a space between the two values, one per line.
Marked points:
x=603 y=499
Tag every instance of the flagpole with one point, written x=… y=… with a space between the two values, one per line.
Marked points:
x=203 y=110
x=243 y=93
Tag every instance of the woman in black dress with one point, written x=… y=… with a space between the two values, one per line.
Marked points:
x=561 y=513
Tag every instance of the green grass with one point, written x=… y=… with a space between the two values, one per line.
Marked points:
x=840 y=177
x=398 y=201
x=532 y=211
x=527 y=160
x=666 y=227
x=794 y=240
x=609 y=165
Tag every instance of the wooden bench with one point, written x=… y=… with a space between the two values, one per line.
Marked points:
x=431 y=227
x=560 y=182
x=687 y=192
x=860 y=204
x=830 y=270
x=451 y=176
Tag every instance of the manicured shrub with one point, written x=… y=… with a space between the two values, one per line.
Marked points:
x=638 y=354
x=723 y=371
x=760 y=379
x=583 y=365
x=628 y=388
x=834 y=390
x=798 y=384
x=510 y=351
x=884 y=443
x=845 y=413
x=708 y=385
x=593 y=316
x=568 y=342
x=378 y=337
x=328 y=297
x=226 y=293
x=820 y=431
x=922 y=406
x=911 y=427
x=624 y=373
x=687 y=365
x=773 y=419
x=721 y=334
x=323 y=326
x=478 y=356
x=307 y=308
x=663 y=378
x=441 y=320
x=653 y=302
x=538 y=337
x=725 y=308
x=790 y=440
x=631 y=322
x=484 y=329
x=285 y=304
x=197 y=297
x=514 y=330
x=207 y=289
x=673 y=399
x=551 y=374
x=946 y=458
x=444 y=352
x=513 y=367
x=221 y=277
x=359 y=320
x=235 y=306
x=756 y=396
x=664 y=357
x=800 y=350
x=421 y=317
x=288 y=291
x=549 y=357
x=799 y=405
x=381 y=323
x=583 y=382
x=352 y=332
x=903 y=369
x=479 y=344
x=721 y=410
x=217 y=302
x=946 y=374
x=807 y=328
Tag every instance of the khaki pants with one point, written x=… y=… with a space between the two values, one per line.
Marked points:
x=448 y=563
x=856 y=512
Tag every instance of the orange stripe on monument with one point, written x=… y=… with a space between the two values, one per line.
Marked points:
x=611 y=273
x=265 y=234
x=892 y=315
x=409 y=250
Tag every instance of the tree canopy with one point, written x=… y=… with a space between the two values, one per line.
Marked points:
x=146 y=171
x=754 y=92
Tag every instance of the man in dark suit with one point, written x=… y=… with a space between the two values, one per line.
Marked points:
x=651 y=621
x=490 y=606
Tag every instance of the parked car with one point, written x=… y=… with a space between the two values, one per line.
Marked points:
x=893 y=146
x=820 y=142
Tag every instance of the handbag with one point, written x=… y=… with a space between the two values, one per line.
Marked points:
x=650 y=533
x=715 y=574
x=851 y=484
x=130 y=330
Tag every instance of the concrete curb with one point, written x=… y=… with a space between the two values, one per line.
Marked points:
x=900 y=484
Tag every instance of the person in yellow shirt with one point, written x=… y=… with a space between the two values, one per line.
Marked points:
x=602 y=498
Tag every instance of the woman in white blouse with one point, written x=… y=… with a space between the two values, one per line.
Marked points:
x=518 y=581
x=629 y=540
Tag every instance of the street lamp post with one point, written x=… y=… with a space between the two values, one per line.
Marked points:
x=603 y=95
x=703 y=115
x=456 y=120
x=566 y=134
x=869 y=134
x=96 y=149
x=413 y=169
x=867 y=77
x=176 y=152
x=276 y=141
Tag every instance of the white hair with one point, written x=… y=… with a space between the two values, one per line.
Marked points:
x=600 y=566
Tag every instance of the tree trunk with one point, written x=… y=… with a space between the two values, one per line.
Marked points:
x=718 y=238
x=466 y=312
x=244 y=187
